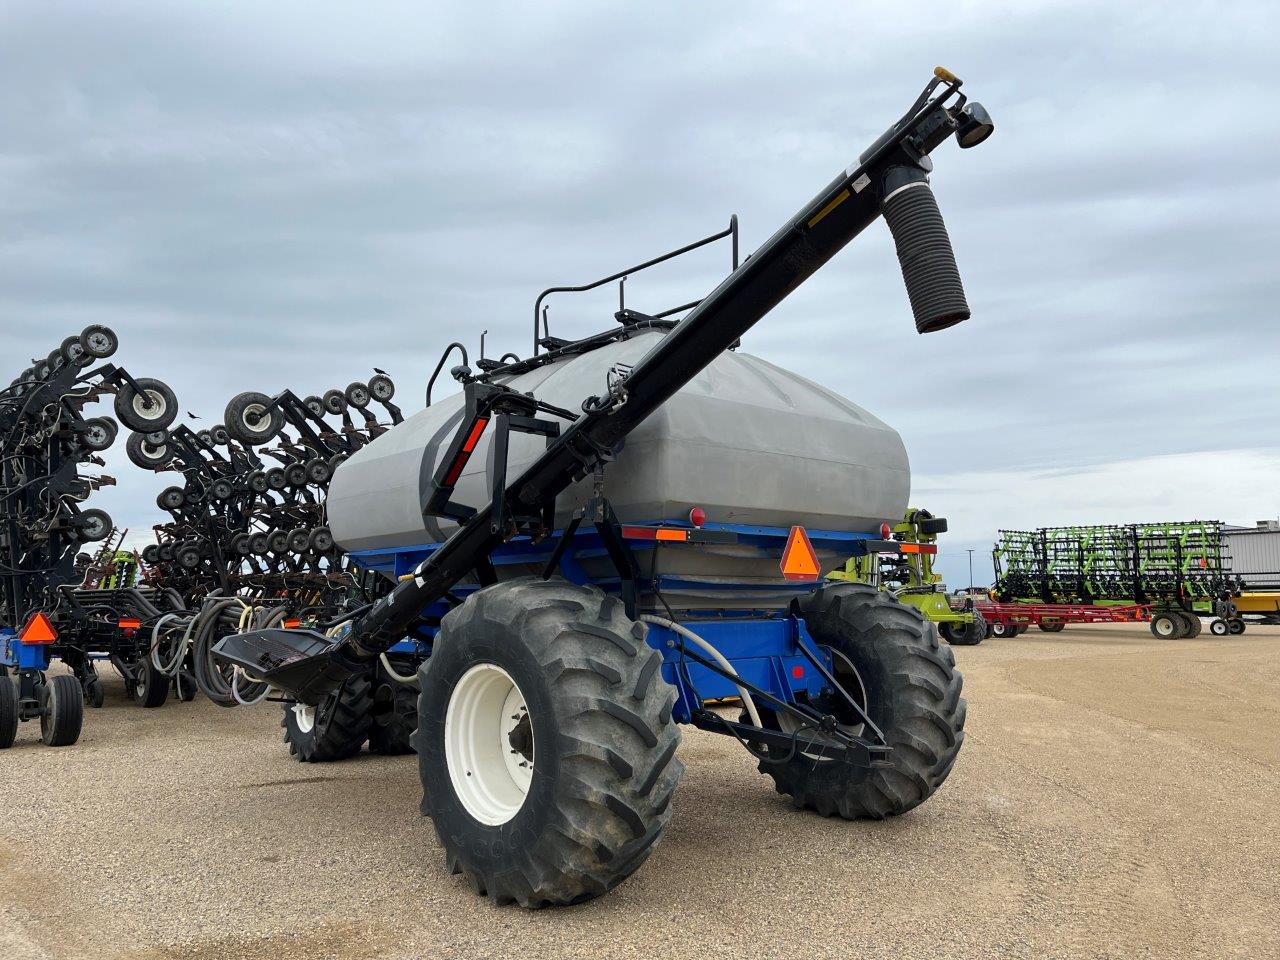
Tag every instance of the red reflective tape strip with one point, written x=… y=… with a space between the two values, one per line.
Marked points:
x=909 y=547
x=464 y=454
x=291 y=624
x=474 y=436
x=127 y=624
x=655 y=533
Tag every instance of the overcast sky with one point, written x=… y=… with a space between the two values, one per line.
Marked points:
x=259 y=195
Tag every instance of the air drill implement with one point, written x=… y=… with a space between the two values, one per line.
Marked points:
x=890 y=178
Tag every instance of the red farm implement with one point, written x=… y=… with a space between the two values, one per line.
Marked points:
x=1011 y=619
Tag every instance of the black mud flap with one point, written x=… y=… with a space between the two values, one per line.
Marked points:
x=304 y=664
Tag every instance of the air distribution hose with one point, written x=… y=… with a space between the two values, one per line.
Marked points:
x=215 y=619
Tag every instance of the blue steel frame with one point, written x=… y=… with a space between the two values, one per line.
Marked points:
x=763 y=644
x=22 y=656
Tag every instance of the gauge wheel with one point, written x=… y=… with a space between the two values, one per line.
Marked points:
x=152 y=406
x=253 y=418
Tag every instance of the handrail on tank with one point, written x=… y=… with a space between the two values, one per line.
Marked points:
x=730 y=231
x=440 y=366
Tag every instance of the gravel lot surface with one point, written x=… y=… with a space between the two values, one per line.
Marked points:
x=1117 y=796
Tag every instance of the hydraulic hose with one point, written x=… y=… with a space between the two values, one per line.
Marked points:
x=924 y=250
x=410 y=681
x=713 y=653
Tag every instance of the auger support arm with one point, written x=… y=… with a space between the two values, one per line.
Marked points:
x=891 y=178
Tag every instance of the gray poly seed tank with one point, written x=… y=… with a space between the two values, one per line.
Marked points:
x=745 y=440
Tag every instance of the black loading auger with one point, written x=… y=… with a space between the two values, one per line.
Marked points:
x=890 y=178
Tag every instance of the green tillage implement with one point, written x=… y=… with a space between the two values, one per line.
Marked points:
x=1181 y=569
x=909 y=576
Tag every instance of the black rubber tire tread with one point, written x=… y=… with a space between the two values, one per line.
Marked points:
x=913 y=691
x=1179 y=625
x=606 y=770
x=233 y=419
x=392 y=733
x=342 y=724
x=8 y=712
x=134 y=421
x=1052 y=627
x=139 y=457
x=151 y=688
x=968 y=634
x=1194 y=626
x=63 y=700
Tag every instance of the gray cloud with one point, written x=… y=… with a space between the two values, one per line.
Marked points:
x=258 y=196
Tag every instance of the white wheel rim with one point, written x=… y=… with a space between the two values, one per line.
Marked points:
x=253 y=416
x=1164 y=626
x=489 y=776
x=153 y=412
x=304 y=715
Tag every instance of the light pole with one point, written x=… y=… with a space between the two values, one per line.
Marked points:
x=971 y=571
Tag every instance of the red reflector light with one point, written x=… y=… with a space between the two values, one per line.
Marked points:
x=292 y=624
x=797 y=672
x=38 y=630
x=886 y=531
x=697 y=516
x=128 y=624
x=918 y=547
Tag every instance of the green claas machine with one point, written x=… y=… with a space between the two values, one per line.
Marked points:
x=909 y=576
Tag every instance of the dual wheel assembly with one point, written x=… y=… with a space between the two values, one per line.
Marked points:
x=58 y=702
x=547 y=745
x=1186 y=625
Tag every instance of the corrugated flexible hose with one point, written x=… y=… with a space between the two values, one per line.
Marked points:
x=924 y=251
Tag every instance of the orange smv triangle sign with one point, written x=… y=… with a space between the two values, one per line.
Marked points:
x=799 y=561
x=38 y=630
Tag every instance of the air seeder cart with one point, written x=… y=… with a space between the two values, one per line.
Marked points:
x=589 y=539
